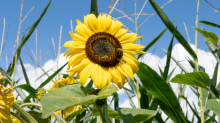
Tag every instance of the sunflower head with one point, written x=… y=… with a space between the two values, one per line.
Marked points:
x=102 y=50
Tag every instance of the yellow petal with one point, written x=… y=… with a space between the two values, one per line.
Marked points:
x=130 y=46
x=76 y=58
x=83 y=30
x=127 y=69
x=135 y=51
x=127 y=37
x=79 y=66
x=131 y=63
x=116 y=25
x=99 y=76
x=74 y=45
x=92 y=22
x=120 y=33
x=85 y=73
x=131 y=56
x=77 y=37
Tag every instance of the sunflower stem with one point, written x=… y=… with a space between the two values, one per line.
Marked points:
x=27 y=116
x=105 y=110
x=18 y=117
x=197 y=68
x=101 y=114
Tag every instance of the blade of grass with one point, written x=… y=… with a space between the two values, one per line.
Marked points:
x=23 y=41
x=51 y=77
x=209 y=23
x=172 y=28
x=94 y=8
x=154 y=41
x=129 y=99
x=24 y=72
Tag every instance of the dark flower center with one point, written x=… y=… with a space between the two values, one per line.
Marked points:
x=104 y=49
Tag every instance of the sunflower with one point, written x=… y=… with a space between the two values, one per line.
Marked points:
x=103 y=51
x=6 y=101
x=64 y=81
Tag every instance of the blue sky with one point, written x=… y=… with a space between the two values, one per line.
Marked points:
x=61 y=12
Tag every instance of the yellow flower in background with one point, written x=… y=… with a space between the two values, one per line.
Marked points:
x=2 y=78
x=102 y=50
x=15 y=120
x=40 y=93
x=64 y=81
x=6 y=101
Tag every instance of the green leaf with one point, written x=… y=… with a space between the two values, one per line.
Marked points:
x=130 y=115
x=129 y=99
x=89 y=85
x=210 y=119
x=172 y=29
x=193 y=65
x=154 y=41
x=214 y=105
x=166 y=70
x=75 y=113
x=111 y=113
x=165 y=96
x=200 y=79
x=45 y=72
x=204 y=96
x=94 y=8
x=209 y=23
x=24 y=71
x=211 y=36
x=194 y=110
x=169 y=76
x=24 y=40
x=177 y=62
x=51 y=77
x=215 y=74
x=37 y=116
x=28 y=88
x=132 y=85
x=144 y=98
x=71 y=95
x=214 y=91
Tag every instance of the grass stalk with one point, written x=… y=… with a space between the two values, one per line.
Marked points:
x=197 y=69
x=17 y=40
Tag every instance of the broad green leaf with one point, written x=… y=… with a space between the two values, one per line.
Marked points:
x=75 y=113
x=71 y=95
x=28 y=88
x=209 y=23
x=153 y=106
x=165 y=96
x=94 y=8
x=214 y=50
x=211 y=36
x=130 y=115
x=214 y=105
x=194 y=110
x=51 y=77
x=172 y=28
x=144 y=98
x=200 y=79
x=166 y=69
x=154 y=41
x=24 y=40
x=111 y=113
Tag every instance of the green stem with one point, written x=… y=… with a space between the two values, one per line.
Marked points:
x=105 y=110
x=27 y=116
x=197 y=68
x=100 y=112
x=20 y=118
x=38 y=105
